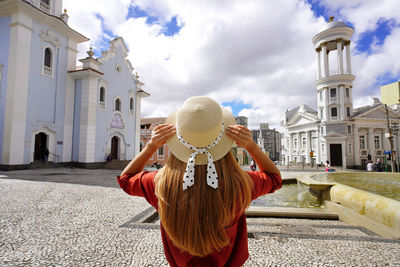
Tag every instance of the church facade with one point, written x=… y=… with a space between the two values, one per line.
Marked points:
x=78 y=114
x=336 y=131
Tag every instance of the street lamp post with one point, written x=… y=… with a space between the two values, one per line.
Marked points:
x=395 y=132
x=390 y=139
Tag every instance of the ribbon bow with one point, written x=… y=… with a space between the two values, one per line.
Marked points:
x=212 y=177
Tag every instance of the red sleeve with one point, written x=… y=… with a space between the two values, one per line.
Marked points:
x=264 y=183
x=140 y=184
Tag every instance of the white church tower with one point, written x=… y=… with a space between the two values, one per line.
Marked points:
x=334 y=90
x=335 y=132
x=334 y=77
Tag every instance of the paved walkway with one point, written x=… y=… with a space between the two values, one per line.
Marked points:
x=79 y=217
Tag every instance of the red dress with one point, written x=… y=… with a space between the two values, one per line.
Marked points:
x=142 y=184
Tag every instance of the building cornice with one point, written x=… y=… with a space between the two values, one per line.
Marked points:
x=85 y=72
x=344 y=33
x=9 y=7
x=337 y=78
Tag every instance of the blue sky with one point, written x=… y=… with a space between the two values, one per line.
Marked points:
x=246 y=55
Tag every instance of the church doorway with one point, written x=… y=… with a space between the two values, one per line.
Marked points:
x=41 y=146
x=336 y=154
x=114 y=147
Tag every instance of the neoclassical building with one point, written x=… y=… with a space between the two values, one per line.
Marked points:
x=336 y=131
x=79 y=114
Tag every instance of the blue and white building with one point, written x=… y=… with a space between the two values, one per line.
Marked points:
x=80 y=114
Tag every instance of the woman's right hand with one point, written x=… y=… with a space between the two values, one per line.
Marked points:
x=160 y=134
x=243 y=138
x=241 y=135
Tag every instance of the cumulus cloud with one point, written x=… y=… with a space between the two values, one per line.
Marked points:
x=257 y=52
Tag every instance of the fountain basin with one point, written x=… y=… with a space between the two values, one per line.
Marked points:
x=378 y=208
x=380 y=214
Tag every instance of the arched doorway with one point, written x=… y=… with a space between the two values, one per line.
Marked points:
x=40 y=146
x=114 y=147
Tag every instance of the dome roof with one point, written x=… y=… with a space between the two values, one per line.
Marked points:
x=332 y=24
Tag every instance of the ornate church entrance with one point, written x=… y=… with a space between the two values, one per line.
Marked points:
x=114 y=147
x=40 y=146
x=336 y=154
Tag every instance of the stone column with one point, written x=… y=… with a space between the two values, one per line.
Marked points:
x=325 y=59
x=290 y=148
x=15 y=112
x=87 y=131
x=371 y=145
x=341 y=97
x=308 y=145
x=356 y=148
x=339 y=56
x=298 y=146
x=69 y=102
x=326 y=97
x=348 y=59
x=344 y=158
x=318 y=63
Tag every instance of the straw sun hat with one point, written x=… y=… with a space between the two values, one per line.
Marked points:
x=199 y=122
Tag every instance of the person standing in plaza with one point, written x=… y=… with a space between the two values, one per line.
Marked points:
x=378 y=165
x=370 y=166
x=327 y=166
x=201 y=193
x=46 y=154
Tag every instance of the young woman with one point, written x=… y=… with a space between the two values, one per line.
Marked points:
x=201 y=193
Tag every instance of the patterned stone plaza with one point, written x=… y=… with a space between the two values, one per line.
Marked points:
x=80 y=217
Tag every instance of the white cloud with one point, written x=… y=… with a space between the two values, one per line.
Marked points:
x=258 y=52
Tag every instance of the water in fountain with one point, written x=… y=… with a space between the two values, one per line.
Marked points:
x=290 y=195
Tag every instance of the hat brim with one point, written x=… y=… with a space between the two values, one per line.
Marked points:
x=182 y=153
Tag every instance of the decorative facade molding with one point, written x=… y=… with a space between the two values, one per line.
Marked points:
x=51 y=37
x=110 y=53
x=117 y=122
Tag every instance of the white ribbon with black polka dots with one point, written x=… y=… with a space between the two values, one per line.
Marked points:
x=212 y=177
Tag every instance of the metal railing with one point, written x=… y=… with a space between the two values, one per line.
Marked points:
x=45 y=7
x=55 y=156
x=47 y=71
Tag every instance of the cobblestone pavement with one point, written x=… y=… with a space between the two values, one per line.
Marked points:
x=80 y=217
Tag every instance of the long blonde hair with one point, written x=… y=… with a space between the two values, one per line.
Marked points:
x=195 y=219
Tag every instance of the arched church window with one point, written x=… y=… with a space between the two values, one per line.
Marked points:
x=117 y=104
x=48 y=62
x=131 y=104
x=102 y=94
x=47 y=57
x=102 y=98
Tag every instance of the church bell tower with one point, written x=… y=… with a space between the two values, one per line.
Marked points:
x=334 y=76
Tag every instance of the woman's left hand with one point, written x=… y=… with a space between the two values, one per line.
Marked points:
x=161 y=133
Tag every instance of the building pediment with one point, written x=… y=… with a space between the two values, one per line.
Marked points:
x=378 y=112
x=302 y=119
